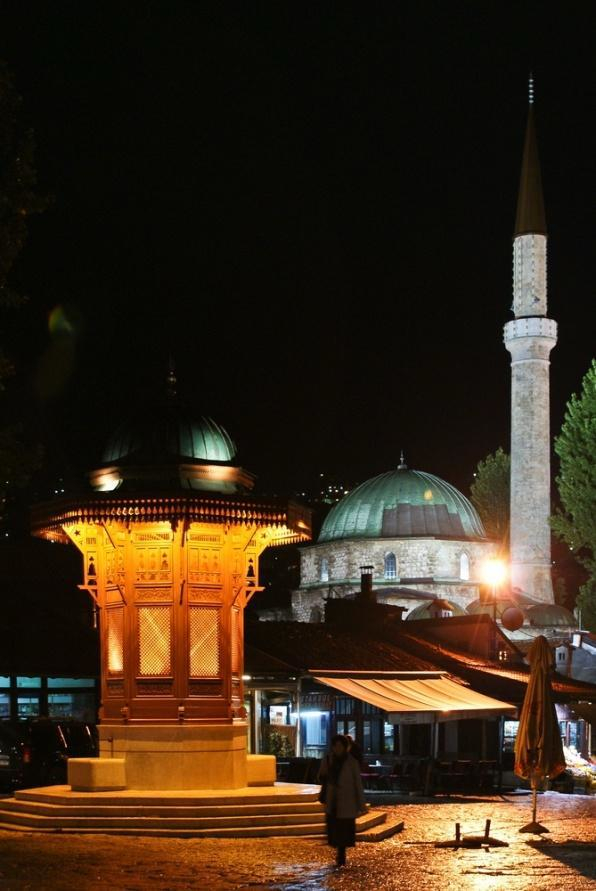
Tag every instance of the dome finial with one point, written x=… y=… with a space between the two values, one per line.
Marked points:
x=171 y=379
x=402 y=464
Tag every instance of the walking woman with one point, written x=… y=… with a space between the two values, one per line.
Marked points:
x=343 y=797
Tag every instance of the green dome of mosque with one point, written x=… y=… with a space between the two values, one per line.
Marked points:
x=166 y=434
x=426 y=610
x=403 y=503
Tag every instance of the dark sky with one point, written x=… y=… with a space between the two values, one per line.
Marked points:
x=310 y=206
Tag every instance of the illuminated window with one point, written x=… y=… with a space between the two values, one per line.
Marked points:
x=155 y=638
x=4 y=705
x=388 y=737
x=464 y=567
x=204 y=624
x=28 y=706
x=390 y=566
x=28 y=682
x=509 y=734
x=115 y=640
x=324 y=574
x=71 y=682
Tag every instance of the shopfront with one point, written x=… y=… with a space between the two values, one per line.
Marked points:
x=30 y=696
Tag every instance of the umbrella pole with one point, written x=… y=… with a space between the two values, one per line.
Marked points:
x=534 y=826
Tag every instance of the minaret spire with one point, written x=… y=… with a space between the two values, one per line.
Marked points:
x=530 y=203
x=530 y=337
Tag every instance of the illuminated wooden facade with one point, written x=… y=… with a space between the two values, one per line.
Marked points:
x=171 y=577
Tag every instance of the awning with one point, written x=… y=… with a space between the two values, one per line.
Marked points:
x=415 y=697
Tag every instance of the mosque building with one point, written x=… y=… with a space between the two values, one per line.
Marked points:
x=419 y=537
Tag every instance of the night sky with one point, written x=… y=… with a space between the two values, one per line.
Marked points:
x=310 y=207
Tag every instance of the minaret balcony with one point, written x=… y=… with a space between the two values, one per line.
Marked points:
x=531 y=338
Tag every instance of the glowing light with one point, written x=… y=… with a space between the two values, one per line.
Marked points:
x=428 y=495
x=106 y=482
x=494 y=572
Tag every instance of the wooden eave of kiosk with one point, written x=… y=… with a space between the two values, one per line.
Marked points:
x=291 y=520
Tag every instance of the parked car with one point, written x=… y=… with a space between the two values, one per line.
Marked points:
x=35 y=752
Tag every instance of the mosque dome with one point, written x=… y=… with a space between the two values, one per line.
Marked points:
x=543 y=615
x=428 y=610
x=511 y=599
x=165 y=446
x=169 y=433
x=403 y=503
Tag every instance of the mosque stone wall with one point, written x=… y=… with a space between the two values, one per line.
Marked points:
x=332 y=569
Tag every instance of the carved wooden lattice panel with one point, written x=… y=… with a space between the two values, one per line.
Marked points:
x=115 y=640
x=155 y=641
x=204 y=622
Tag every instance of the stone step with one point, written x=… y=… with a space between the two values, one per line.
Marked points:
x=281 y=793
x=143 y=822
x=259 y=826
x=256 y=831
x=380 y=831
x=125 y=810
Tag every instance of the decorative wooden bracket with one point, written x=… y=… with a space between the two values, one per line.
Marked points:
x=244 y=595
x=91 y=590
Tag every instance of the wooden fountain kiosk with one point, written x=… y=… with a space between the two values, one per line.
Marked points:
x=170 y=535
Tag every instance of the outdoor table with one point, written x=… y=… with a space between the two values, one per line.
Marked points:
x=369 y=779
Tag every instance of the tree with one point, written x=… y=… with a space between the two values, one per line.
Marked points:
x=575 y=522
x=490 y=495
x=18 y=199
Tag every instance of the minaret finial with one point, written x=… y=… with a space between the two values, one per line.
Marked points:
x=402 y=464
x=531 y=89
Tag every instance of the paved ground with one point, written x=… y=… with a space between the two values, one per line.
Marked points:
x=564 y=859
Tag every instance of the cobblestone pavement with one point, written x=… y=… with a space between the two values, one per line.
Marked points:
x=564 y=859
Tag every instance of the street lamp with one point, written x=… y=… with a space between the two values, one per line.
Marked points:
x=494 y=573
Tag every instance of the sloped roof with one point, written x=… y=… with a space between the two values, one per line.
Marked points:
x=502 y=680
x=303 y=645
x=398 y=646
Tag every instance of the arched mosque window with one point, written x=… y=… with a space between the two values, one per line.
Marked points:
x=464 y=567
x=324 y=574
x=390 y=566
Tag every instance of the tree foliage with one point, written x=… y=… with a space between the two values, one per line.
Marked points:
x=490 y=495
x=575 y=522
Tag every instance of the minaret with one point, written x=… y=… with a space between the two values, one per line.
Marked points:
x=530 y=337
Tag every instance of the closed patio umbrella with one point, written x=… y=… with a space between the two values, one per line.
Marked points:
x=538 y=746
